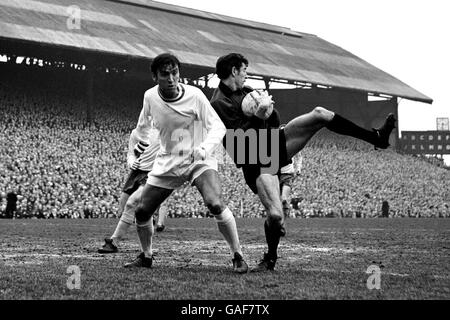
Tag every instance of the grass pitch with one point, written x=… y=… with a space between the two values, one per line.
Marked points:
x=318 y=259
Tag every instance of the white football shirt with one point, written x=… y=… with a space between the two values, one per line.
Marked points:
x=186 y=122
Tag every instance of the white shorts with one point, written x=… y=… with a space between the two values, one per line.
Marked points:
x=176 y=178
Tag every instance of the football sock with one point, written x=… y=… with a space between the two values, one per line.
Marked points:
x=120 y=232
x=286 y=209
x=343 y=126
x=227 y=227
x=145 y=233
x=162 y=215
x=272 y=238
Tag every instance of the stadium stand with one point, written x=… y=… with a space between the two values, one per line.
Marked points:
x=60 y=165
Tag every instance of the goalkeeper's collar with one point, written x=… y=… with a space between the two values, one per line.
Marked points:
x=226 y=90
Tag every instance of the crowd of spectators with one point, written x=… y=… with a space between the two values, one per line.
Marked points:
x=339 y=180
x=60 y=164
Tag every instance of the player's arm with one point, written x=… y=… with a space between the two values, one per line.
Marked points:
x=131 y=156
x=232 y=116
x=215 y=128
x=145 y=122
x=142 y=132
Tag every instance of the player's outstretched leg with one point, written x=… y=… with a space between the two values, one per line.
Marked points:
x=126 y=221
x=384 y=131
x=301 y=129
x=378 y=137
x=208 y=184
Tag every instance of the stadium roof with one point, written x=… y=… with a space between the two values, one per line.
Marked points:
x=144 y=29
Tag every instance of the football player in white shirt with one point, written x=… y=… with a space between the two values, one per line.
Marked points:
x=189 y=131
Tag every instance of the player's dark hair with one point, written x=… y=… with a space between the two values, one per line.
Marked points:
x=225 y=64
x=163 y=60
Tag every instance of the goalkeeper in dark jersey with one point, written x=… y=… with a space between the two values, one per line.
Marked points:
x=281 y=144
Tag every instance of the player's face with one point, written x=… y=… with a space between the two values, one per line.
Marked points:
x=240 y=76
x=167 y=79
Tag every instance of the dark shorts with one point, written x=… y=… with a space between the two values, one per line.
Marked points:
x=253 y=171
x=135 y=179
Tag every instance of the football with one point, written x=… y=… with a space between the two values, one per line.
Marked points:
x=250 y=103
x=257 y=103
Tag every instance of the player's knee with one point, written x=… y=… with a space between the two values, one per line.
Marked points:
x=215 y=206
x=274 y=221
x=129 y=210
x=142 y=215
x=322 y=114
x=131 y=206
x=128 y=215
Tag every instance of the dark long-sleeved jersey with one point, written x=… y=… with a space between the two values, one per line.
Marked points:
x=227 y=105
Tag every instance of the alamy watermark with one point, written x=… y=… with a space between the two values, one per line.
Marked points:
x=374 y=280
x=74 y=280
x=73 y=21
x=252 y=146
